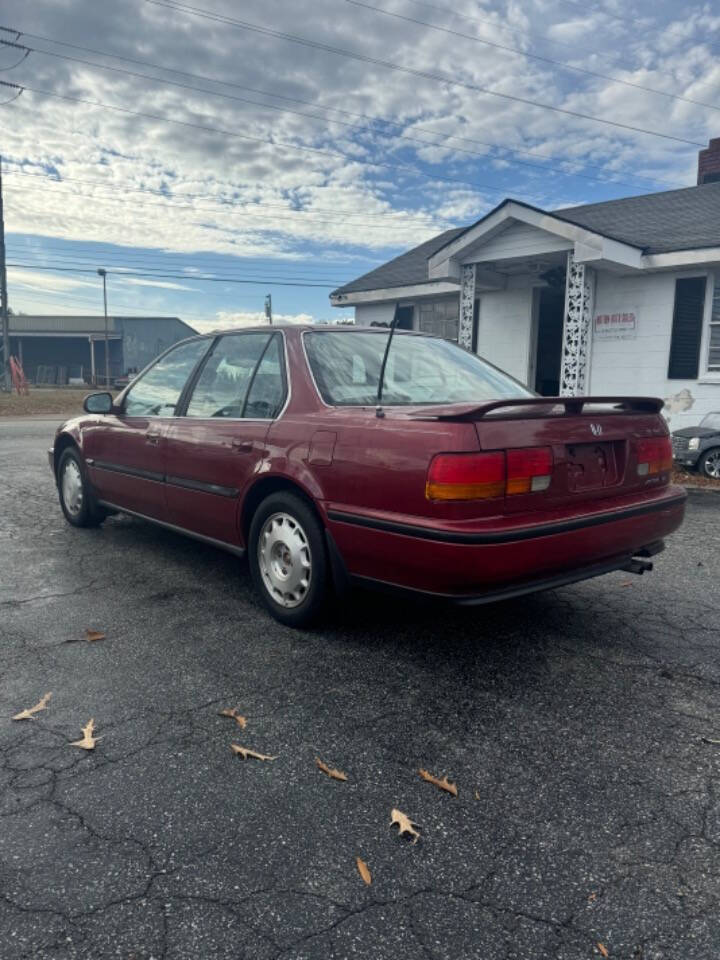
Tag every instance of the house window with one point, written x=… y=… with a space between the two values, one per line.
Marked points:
x=713 y=356
x=440 y=317
x=687 y=328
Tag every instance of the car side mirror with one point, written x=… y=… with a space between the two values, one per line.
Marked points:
x=98 y=403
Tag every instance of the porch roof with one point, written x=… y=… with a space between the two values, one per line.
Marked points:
x=655 y=223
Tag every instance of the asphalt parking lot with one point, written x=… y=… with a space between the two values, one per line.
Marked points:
x=578 y=726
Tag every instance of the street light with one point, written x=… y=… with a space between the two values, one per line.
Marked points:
x=103 y=274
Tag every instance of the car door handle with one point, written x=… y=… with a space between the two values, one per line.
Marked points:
x=242 y=446
x=152 y=436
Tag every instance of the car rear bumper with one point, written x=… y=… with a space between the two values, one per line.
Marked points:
x=475 y=565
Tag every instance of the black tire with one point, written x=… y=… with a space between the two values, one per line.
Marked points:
x=86 y=512
x=297 y=540
x=709 y=463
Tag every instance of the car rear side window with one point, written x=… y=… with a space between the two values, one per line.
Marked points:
x=346 y=366
x=157 y=392
x=267 y=390
x=222 y=388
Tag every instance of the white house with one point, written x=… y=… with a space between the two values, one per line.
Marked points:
x=619 y=297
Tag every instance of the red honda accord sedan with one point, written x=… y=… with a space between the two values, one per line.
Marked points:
x=334 y=456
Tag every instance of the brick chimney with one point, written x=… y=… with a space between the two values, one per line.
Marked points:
x=709 y=162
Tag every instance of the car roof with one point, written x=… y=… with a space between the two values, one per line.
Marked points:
x=312 y=327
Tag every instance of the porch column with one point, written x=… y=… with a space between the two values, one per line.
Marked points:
x=577 y=328
x=467 y=305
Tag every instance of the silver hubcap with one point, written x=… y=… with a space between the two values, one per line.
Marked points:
x=72 y=487
x=284 y=559
x=712 y=465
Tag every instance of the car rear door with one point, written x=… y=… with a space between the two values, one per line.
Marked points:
x=218 y=445
x=125 y=451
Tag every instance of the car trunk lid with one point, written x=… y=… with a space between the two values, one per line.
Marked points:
x=595 y=444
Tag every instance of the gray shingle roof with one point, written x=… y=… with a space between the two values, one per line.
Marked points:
x=410 y=267
x=685 y=219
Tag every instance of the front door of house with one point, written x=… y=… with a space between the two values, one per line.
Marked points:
x=550 y=316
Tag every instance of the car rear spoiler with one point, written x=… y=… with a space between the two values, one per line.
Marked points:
x=572 y=405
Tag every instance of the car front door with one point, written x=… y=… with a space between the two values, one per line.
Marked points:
x=125 y=451
x=218 y=444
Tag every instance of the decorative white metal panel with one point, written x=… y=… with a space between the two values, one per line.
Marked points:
x=577 y=328
x=467 y=306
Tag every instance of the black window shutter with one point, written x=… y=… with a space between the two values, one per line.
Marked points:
x=687 y=328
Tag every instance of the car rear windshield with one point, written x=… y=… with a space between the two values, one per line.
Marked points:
x=419 y=370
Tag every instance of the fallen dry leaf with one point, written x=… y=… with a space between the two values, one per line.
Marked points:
x=246 y=752
x=93 y=635
x=364 y=871
x=232 y=712
x=627 y=583
x=443 y=784
x=28 y=714
x=592 y=897
x=88 y=741
x=405 y=823
x=603 y=949
x=330 y=771
x=477 y=795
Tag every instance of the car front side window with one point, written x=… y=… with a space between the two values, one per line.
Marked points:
x=157 y=392
x=222 y=388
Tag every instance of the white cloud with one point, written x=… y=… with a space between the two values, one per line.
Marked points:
x=226 y=320
x=163 y=284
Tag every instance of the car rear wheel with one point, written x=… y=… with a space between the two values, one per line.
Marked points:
x=76 y=498
x=288 y=560
x=710 y=463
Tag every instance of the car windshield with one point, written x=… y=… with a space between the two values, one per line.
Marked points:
x=711 y=420
x=419 y=370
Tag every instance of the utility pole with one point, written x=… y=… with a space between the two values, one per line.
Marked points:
x=268 y=308
x=3 y=296
x=103 y=274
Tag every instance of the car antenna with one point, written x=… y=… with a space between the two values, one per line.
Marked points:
x=379 y=410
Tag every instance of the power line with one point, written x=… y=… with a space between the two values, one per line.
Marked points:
x=26 y=291
x=162 y=261
x=610 y=176
x=528 y=36
x=399 y=216
x=423 y=74
x=169 y=276
x=274 y=143
x=120 y=268
x=532 y=56
x=284 y=218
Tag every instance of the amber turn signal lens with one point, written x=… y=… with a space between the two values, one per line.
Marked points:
x=466 y=476
x=654 y=455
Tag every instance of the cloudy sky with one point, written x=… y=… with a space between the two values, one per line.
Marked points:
x=287 y=146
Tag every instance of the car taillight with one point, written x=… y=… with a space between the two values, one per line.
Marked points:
x=466 y=476
x=478 y=476
x=654 y=455
x=529 y=469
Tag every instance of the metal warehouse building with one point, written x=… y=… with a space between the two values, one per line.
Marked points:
x=57 y=349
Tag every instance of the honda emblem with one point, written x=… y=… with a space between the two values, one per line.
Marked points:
x=596 y=429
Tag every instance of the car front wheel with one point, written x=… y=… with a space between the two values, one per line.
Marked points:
x=288 y=561
x=710 y=463
x=76 y=499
